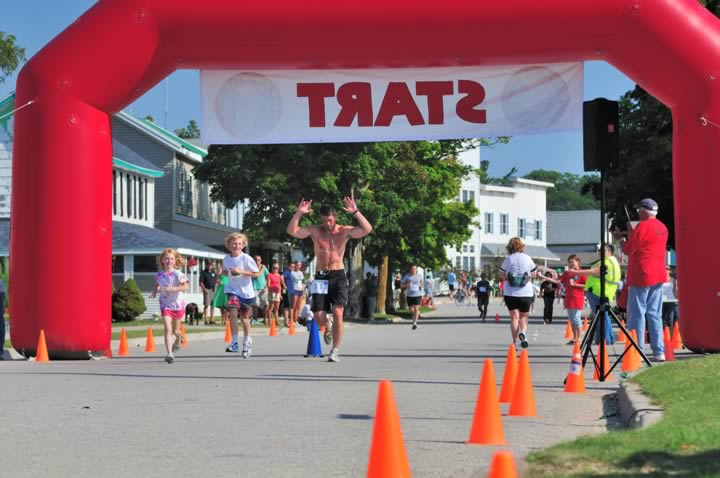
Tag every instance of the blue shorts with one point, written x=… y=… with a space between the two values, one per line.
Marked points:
x=574 y=315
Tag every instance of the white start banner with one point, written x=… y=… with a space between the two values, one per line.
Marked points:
x=313 y=106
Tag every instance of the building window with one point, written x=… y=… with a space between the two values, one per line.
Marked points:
x=121 y=188
x=145 y=264
x=464 y=248
x=504 y=224
x=128 y=183
x=538 y=230
x=472 y=248
x=141 y=197
x=471 y=197
x=464 y=196
x=472 y=263
x=521 y=228
x=465 y=263
x=488 y=223
x=457 y=262
x=530 y=229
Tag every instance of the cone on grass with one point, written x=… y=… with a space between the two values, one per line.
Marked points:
x=497 y=317
x=667 y=341
x=606 y=363
x=502 y=465
x=41 y=354
x=486 y=428
x=291 y=329
x=676 y=339
x=150 y=341
x=568 y=330
x=184 y=340
x=631 y=359
x=123 y=347
x=228 y=333
x=508 y=385
x=523 y=399
x=387 y=449
x=273 y=328
x=585 y=324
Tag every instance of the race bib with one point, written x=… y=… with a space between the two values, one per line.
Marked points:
x=319 y=287
x=482 y=289
x=414 y=288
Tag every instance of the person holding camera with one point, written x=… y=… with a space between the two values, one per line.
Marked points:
x=645 y=246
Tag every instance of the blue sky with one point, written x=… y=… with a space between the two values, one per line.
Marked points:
x=36 y=22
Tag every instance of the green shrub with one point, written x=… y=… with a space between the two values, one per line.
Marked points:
x=127 y=302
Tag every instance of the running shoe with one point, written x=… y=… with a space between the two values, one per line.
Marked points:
x=233 y=348
x=523 y=340
x=169 y=358
x=415 y=325
x=334 y=355
x=247 y=348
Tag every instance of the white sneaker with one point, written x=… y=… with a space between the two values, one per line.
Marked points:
x=658 y=358
x=415 y=325
x=334 y=355
x=247 y=348
x=523 y=340
x=169 y=358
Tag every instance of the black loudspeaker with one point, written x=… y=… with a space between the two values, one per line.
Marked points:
x=601 y=145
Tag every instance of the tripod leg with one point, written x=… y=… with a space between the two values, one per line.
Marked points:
x=629 y=338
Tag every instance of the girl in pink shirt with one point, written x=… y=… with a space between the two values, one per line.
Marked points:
x=170 y=283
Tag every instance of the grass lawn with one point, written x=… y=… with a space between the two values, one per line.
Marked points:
x=685 y=443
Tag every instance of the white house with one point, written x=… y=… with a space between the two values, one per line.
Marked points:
x=518 y=209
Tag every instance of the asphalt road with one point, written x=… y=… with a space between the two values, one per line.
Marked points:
x=279 y=414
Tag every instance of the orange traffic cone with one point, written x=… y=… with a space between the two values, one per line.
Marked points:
x=41 y=354
x=631 y=359
x=487 y=426
x=184 y=341
x=508 y=385
x=273 y=329
x=150 y=341
x=502 y=465
x=291 y=329
x=523 y=400
x=568 y=330
x=575 y=381
x=667 y=341
x=606 y=361
x=621 y=335
x=676 y=339
x=228 y=333
x=585 y=324
x=123 y=348
x=387 y=450
x=497 y=317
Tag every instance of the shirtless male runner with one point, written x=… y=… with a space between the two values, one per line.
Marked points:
x=330 y=287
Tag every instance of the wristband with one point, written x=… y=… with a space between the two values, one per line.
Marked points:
x=355 y=212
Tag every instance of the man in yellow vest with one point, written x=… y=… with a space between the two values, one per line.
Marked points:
x=592 y=286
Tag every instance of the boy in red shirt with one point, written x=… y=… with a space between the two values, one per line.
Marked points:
x=574 y=295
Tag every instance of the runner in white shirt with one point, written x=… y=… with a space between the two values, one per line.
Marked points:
x=413 y=283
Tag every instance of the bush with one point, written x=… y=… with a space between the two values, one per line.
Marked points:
x=127 y=302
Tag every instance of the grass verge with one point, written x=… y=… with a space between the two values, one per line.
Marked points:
x=685 y=443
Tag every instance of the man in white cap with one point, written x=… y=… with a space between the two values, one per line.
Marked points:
x=645 y=247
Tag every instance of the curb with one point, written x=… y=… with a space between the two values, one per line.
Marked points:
x=635 y=408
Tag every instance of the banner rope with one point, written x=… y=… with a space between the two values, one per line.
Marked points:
x=17 y=109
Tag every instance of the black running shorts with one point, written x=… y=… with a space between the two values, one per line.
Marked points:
x=519 y=303
x=337 y=290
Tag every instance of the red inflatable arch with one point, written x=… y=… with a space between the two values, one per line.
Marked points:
x=61 y=226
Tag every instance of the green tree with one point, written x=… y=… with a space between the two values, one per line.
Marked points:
x=127 y=302
x=11 y=55
x=191 y=131
x=572 y=192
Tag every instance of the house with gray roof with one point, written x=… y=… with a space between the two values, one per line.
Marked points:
x=574 y=232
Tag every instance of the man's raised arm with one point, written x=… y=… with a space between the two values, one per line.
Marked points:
x=363 y=228
x=294 y=228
